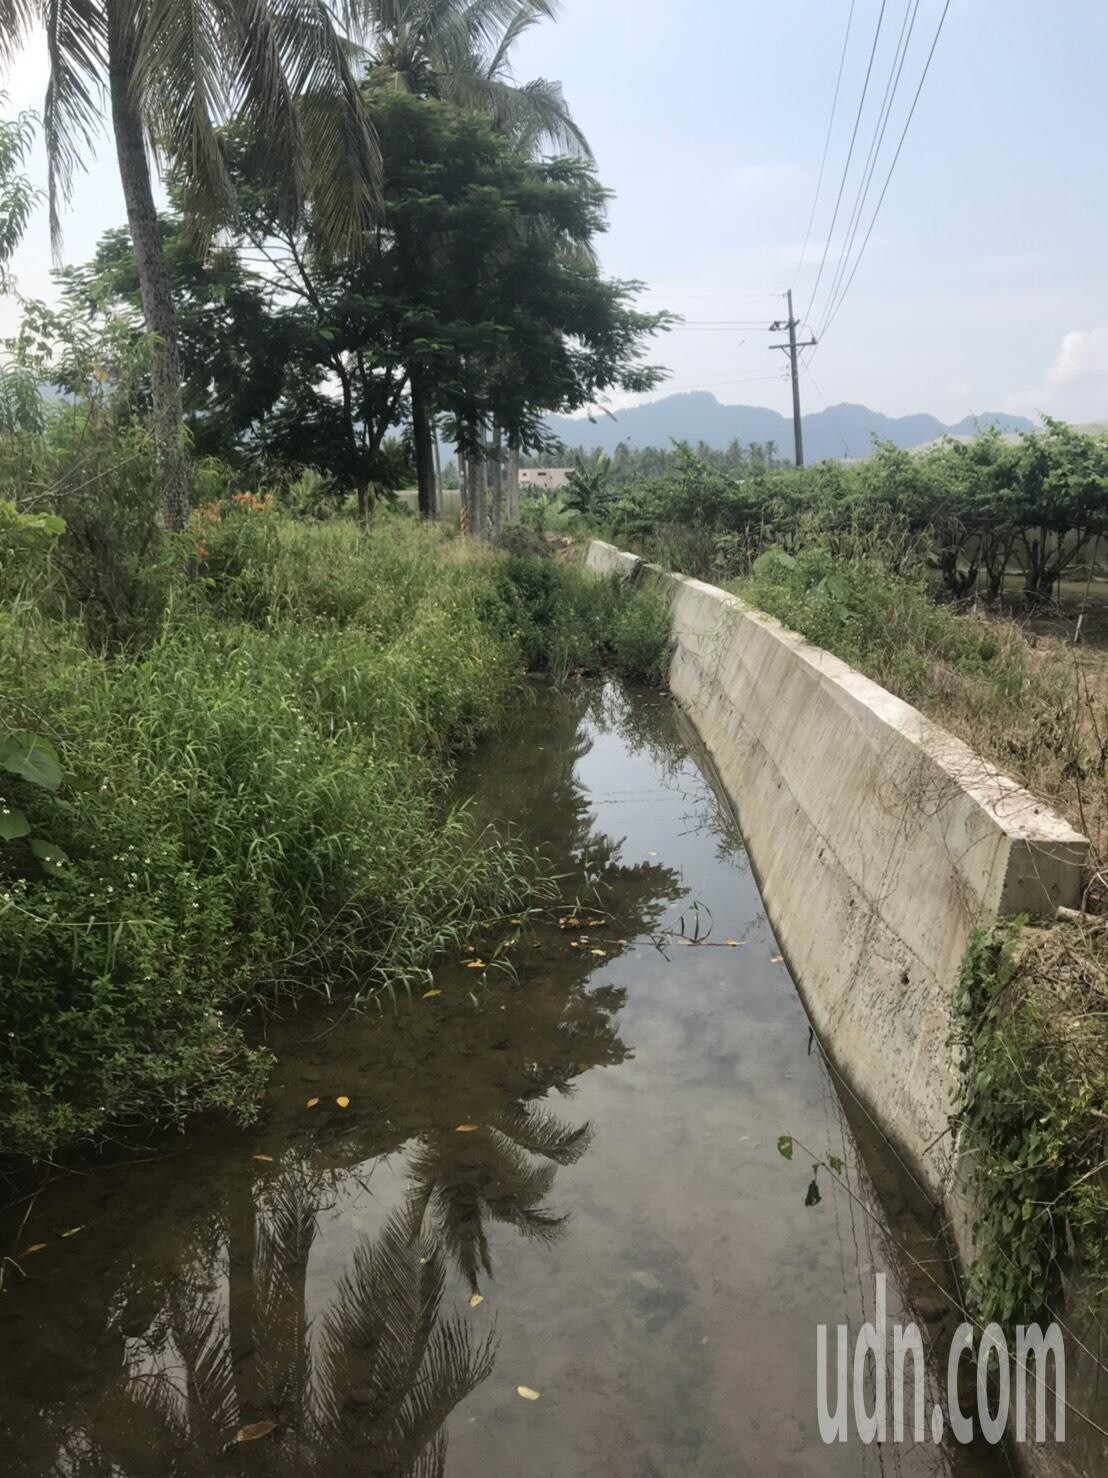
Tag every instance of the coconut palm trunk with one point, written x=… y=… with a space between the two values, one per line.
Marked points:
x=153 y=273
x=513 y=482
x=422 y=445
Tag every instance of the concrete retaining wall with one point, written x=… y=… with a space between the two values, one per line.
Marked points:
x=879 y=841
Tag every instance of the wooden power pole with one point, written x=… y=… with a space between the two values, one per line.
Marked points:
x=792 y=349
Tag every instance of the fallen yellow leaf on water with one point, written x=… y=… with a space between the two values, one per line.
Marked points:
x=343 y=1101
x=72 y=1231
x=428 y=994
x=569 y=923
x=732 y=943
x=266 y=1159
x=476 y=965
x=527 y=1393
x=575 y=944
x=777 y=960
x=466 y=1129
x=476 y=1300
x=603 y=953
x=311 y=1103
x=254 y=1431
x=515 y=921
x=34 y=1247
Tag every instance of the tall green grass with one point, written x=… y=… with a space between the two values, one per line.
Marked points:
x=255 y=800
x=255 y=803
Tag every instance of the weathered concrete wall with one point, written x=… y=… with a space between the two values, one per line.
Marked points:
x=879 y=841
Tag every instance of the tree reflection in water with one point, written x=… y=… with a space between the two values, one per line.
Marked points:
x=218 y=1292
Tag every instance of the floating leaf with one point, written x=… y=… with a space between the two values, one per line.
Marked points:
x=601 y=953
x=785 y=1146
x=34 y=1247
x=342 y=1101
x=254 y=1431
x=813 y=1198
x=265 y=1159
x=527 y=1393
x=466 y=1129
x=312 y=1103
x=569 y=923
x=13 y=825
x=429 y=995
x=476 y=965
x=476 y=1300
x=734 y=943
x=72 y=1232
x=836 y=1164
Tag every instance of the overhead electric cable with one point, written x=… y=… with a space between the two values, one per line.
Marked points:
x=826 y=144
x=888 y=178
x=849 y=157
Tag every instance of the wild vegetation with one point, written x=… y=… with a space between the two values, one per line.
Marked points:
x=232 y=679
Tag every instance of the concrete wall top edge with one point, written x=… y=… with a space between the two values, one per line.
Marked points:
x=1020 y=814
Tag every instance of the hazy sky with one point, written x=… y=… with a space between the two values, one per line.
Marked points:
x=985 y=283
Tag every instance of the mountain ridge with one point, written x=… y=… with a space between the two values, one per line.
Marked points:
x=697 y=416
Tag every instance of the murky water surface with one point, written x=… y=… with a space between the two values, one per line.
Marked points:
x=563 y=1177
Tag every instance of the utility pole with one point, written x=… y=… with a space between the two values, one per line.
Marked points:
x=792 y=349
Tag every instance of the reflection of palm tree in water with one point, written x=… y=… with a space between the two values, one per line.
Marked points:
x=373 y=1388
x=367 y=1388
x=502 y=1172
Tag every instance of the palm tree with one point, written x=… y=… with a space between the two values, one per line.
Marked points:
x=175 y=70
x=460 y=50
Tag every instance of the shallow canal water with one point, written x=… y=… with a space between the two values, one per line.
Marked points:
x=562 y=1176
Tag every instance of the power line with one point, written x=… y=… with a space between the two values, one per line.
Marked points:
x=888 y=178
x=896 y=71
x=806 y=366
x=849 y=157
x=826 y=144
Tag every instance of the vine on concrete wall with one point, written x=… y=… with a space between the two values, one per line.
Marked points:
x=1031 y=1029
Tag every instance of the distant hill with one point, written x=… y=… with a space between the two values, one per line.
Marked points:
x=841 y=431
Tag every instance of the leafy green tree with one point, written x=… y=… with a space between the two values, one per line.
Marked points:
x=173 y=70
x=18 y=197
x=307 y=356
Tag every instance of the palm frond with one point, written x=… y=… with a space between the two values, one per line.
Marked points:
x=76 y=40
x=181 y=77
x=343 y=159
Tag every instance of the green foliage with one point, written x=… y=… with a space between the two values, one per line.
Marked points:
x=565 y=619
x=1034 y=1082
x=882 y=622
x=641 y=639
x=256 y=804
x=971 y=509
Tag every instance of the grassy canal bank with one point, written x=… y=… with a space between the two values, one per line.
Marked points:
x=240 y=792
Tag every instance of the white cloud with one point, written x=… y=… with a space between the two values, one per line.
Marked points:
x=1082 y=357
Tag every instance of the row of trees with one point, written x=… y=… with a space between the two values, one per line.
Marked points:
x=392 y=248
x=978 y=509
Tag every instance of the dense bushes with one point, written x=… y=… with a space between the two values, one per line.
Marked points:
x=976 y=510
x=251 y=798
x=885 y=623
x=565 y=618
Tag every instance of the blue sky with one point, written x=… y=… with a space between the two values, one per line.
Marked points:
x=985 y=283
